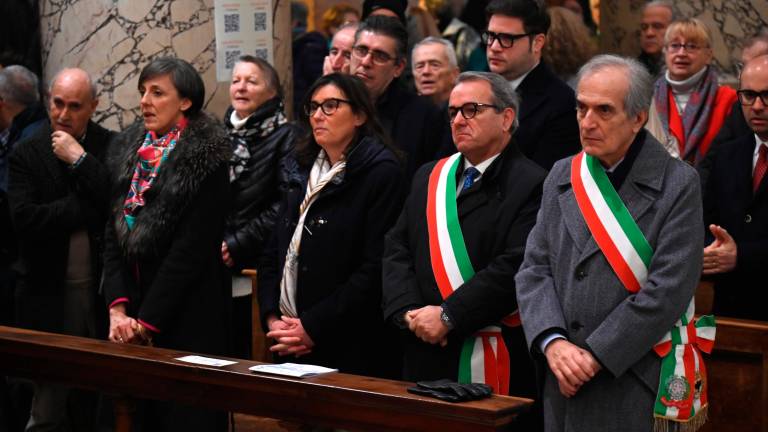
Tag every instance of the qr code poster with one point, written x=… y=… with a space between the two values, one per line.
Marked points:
x=242 y=27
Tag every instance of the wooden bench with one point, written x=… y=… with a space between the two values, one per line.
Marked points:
x=738 y=377
x=335 y=399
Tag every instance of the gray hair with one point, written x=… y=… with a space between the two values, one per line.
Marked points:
x=640 y=91
x=91 y=84
x=662 y=3
x=450 y=52
x=19 y=85
x=347 y=25
x=503 y=94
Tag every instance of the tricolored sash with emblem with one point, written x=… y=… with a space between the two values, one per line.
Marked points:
x=682 y=394
x=484 y=356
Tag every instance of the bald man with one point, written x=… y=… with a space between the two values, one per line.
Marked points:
x=58 y=191
x=736 y=205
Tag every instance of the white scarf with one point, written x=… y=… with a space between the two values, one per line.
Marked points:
x=321 y=174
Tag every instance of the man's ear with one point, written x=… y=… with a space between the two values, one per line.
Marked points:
x=537 y=45
x=639 y=121
x=400 y=67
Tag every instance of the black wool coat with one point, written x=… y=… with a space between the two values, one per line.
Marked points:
x=256 y=193
x=419 y=128
x=49 y=201
x=169 y=266
x=548 y=129
x=339 y=268
x=730 y=203
x=496 y=214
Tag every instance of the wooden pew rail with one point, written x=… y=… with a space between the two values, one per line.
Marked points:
x=336 y=399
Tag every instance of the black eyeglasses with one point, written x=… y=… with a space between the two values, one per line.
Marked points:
x=748 y=97
x=379 y=57
x=328 y=106
x=468 y=110
x=506 y=40
x=689 y=47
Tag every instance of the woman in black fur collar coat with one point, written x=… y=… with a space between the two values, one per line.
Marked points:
x=164 y=281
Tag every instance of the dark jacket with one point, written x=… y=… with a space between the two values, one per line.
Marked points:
x=415 y=125
x=495 y=214
x=49 y=201
x=169 y=265
x=548 y=129
x=309 y=51
x=730 y=203
x=339 y=268
x=24 y=124
x=257 y=191
x=734 y=127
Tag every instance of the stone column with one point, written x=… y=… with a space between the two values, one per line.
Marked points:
x=114 y=39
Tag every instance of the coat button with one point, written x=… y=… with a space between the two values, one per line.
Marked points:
x=575 y=325
x=304 y=268
x=580 y=273
x=748 y=218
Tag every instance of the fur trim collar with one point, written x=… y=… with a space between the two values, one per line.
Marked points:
x=202 y=149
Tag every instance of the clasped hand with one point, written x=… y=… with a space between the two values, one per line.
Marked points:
x=426 y=324
x=572 y=366
x=289 y=335
x=124 y=329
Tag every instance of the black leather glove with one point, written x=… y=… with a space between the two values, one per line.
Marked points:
x=452 y=391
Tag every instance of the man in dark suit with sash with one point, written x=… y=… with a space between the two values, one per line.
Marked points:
x=736 y=205
x=450 y=260
x=606 y=288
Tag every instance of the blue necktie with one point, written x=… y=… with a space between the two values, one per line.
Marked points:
x=470 y=174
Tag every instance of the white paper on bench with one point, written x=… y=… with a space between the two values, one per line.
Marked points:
x=295 y=370
x=207 y=361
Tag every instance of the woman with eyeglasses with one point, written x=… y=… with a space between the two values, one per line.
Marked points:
x=320 y=276
x=689 y=105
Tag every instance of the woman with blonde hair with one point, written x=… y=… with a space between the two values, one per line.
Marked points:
x=689 y=105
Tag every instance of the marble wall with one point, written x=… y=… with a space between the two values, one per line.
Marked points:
x=731 y=22
x=115 y=39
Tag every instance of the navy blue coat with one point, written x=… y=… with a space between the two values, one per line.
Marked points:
x=339 y=268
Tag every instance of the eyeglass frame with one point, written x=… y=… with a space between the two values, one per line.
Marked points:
x=310 y=111
x=763 y=95
x=374 y=53
x=687 y=47
x=475 y=106
x=488 y=37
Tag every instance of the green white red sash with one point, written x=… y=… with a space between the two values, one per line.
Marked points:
x=484 y=356
x=682 y=394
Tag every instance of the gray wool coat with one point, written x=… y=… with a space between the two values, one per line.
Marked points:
x=566 y=283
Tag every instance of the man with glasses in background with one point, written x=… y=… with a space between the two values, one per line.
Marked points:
x=450 y=260
x=657 y=15
x=412 y=122
x=736 y=205
x=735 y=125
x=516 y=35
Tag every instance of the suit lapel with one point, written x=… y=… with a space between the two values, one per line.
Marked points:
x=531 y=91
x=646 y=172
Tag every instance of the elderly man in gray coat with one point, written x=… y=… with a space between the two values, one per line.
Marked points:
x=612 y=262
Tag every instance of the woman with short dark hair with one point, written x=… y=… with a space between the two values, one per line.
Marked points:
x=320 y=278
x=163 y=278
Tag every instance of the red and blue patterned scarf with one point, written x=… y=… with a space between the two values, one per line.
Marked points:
x=697 y=115
x=152 y=153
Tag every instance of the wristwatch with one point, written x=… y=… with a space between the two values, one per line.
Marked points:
x=445 y=318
